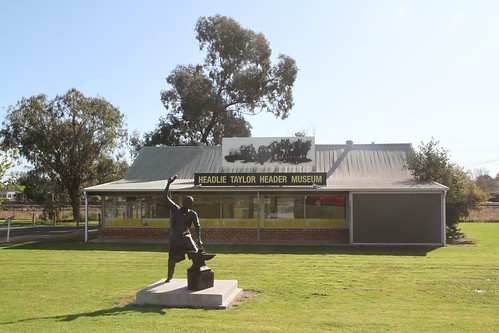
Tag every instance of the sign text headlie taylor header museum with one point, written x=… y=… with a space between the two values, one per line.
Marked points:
x=261 y=179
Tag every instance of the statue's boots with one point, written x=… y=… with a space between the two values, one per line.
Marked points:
x=171 y=270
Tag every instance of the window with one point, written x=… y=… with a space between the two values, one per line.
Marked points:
x=325 y=212
x=239 y=211
x=231 y=211
x=236 y=211
x=135 y=212
x=284 y=212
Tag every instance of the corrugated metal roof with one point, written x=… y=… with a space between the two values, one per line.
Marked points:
x=156 y=163
x=370 y=167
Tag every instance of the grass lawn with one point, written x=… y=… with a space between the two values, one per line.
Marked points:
x=77 y=287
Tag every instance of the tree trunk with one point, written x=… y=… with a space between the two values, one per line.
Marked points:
x=75 y=204
x=210 y=126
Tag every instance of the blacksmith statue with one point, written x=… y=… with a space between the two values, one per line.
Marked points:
x=181 y=242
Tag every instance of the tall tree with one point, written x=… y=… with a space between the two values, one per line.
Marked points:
x=485 y=182
x=209 y=101
x=65 y=139
x=431 y=163
x=7 y=160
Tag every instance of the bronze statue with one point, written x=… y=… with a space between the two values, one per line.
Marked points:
x=181 y=241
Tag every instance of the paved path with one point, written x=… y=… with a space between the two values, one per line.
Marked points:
x=29 y=234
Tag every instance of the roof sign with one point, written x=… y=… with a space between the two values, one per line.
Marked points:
x=268 y=151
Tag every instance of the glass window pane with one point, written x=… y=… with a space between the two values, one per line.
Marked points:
x=284 y=212
x=240 y=206
x=207 y=207
x=239 y=211
x=326 y=211
x=155 y=207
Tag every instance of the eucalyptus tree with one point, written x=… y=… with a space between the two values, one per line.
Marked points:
x=7 y=161
x=209 y=101
x=430 y=162
x=65 y=139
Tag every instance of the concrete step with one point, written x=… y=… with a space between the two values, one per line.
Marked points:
x=176 y=294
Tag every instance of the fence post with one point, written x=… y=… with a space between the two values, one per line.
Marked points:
x=9 y=219
x=86 y=216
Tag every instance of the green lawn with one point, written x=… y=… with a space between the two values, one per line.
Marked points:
x=76 y=287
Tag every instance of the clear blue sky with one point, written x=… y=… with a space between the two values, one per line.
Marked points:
x=369 y=71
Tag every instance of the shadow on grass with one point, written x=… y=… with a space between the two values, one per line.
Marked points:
x=233 y=249
x=115 y=311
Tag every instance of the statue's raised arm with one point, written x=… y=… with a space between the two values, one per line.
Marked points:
x=167 y=190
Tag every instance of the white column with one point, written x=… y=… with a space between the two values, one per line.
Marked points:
x=350 y=217
x=443 y=217
x=86 y=216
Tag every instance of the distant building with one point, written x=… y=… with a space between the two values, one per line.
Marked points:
x=279 y=192
x=10 y=195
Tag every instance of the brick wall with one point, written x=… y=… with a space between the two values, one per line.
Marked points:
x=134 y=233
x=229 y=235
x=304 y=234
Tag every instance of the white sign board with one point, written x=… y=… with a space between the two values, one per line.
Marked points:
x=268 y=151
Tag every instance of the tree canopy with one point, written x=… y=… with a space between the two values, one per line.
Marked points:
x=431 y=163
x=487 y=183
x=68 y=140
x=208 y=102
x=7 y=161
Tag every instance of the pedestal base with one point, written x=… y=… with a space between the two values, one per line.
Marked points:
x=175 y=294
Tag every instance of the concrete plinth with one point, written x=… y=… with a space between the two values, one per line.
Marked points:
x=175 y=294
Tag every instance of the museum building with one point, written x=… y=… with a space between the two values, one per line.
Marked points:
x=278 y=191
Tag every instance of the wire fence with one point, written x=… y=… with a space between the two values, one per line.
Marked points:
x=32 y=212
